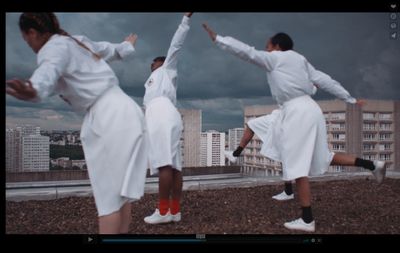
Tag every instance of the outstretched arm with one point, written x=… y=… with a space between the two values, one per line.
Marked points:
x=171 y=60
x=260 y=58
x=111 y=51
x=326 y=83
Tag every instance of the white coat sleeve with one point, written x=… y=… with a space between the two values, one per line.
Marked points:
x=260 y=58
x=108 y=51
x=326 y=83
x=52 y=63
x=171 y=60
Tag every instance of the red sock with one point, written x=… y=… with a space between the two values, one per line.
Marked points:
x=163 y=206
x=175 y=206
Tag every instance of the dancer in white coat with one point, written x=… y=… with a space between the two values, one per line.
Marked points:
x=165 y=129
x=113 y=128
x=261 y=126
x=303 y=150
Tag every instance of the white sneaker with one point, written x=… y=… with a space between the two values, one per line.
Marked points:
x=176 y=217
x=157 y=218
x=299 y=224
x=380 y=171
x=229 y=155
x=283 y=196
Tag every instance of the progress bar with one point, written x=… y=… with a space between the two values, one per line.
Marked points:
x=153 y=240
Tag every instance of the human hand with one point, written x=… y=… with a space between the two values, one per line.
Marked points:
x=22 y=90
x=132 y=39
x=361 y=102
x=210 y=32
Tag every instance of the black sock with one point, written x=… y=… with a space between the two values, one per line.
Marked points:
x=307 y=214
x=237 y=151
x=365 y=164
x=288 y=188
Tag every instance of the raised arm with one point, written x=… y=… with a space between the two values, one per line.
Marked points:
x=245 y=52
x=171 y=59
x=326 y=83
x=111 y=51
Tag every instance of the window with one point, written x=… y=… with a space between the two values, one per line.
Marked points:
x=384 y=157
x=369 y=157
x=385 y=126
x=337 y=126
x=368 y=147
x=383 y=137
x=338 y=146
x=368 y=126
x=336 y=168
x=368 y=115
x=340 y=137
x=386 y=146
x=338 y=115
x=369 y=136
x=385 y=116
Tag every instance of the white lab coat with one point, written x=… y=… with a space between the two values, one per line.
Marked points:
x=162 y=118
x=262 y=126
x=298 y=138
x=113 y=129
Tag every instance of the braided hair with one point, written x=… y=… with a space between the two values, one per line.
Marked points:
x=47 y=22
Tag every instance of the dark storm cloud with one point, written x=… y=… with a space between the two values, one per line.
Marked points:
x=353 y=48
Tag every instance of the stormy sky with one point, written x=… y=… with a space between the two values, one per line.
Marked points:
x=353 y=48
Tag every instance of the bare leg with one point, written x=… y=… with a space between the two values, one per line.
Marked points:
x=110 y=224
x=303 y=189
x=378 y=169
x=177 y=184
x=164 y=182
x=126 y=218
x=246 y=138
x=343 y=159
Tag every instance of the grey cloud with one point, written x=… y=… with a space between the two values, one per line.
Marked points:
x=353 y=48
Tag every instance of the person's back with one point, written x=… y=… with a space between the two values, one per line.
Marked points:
x=288 y=77
x=83 y=78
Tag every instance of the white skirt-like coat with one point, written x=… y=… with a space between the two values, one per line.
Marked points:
x=113 y=136
x=262 y=127
x=298 y=139
x=164 y=124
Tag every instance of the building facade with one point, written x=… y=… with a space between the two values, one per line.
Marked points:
x=212 y=147
x=371 y=132
x=27 y=150
x=190 y=141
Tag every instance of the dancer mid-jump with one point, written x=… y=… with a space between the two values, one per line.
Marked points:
x=299 y=133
